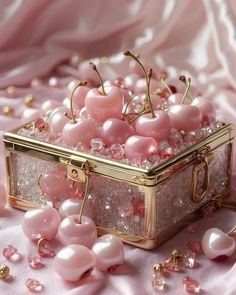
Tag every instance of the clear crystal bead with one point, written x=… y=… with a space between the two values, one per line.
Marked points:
x=96 y=144
x=189 y=260
x=158 y=282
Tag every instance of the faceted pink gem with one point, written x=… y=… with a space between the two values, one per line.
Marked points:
x=171 y=265
x=167 y=153
x=11 y=253
x=34 y=285
x=191 y=285
x=40 y=124
x=191 y=137
x=138 y=205
x=96 y=144
x=175 y=138
x=195 y=247
x=192 y=227
x=44 y=249
x=117 y=151
x=126 y=209
x=189 y=260
x=35 y=262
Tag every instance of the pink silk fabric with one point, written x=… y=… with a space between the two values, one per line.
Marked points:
x=197 y=38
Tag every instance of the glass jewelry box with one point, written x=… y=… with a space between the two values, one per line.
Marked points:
x=142 y=206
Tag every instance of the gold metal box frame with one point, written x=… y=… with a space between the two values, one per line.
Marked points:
x=199 y=155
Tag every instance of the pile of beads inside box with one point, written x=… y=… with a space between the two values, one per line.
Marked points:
x=138 y=120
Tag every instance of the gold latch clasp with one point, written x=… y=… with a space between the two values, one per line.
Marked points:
x=78 y=169
x=199 y=192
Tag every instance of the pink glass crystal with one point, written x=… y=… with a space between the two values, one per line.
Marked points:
x=34 y=285
x=158 y=282
x=126 y=209
x=171 y=265
x=192 y=227
x=117 y=151
x=35 y=262
x=195 y=247
x=96 y=144
x=167 y=153
x=175 y=138
x=189 y=260
x=191 y=285
x=44 y=249
x=41 y=124
x=11 y=253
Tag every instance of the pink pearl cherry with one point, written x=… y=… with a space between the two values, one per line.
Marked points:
x=185 y=117
x=72 y=207
x=3 y=195
x=87 y=73
x=70 y=231
x=82 y=131
x=115 y=131
x=109 y=252
x=57 y=120
x=74 y=262
x=48 y=106
x=207 y=109
x=138 y=148
x=157 y=127
x=79 y=97
x=102 y=107
x=41 y=223
x=217 y=245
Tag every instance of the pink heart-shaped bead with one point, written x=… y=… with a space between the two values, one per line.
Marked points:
x=103 y=107
x=41 y=223
x=218 y=245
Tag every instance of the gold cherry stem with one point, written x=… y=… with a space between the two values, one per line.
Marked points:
x=188 y=83
x=140 y=114
x=183 y=79
x=94 y=67
x=85 y=199
x=147 y=77
x=232 y=231
x=82 y=83
x=163 y=81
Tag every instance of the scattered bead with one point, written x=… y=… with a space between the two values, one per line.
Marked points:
x=11 y=253
x=191 y=285
x=11 y=91
x=7 y=111
x=195 y=247
x=44 y=249
x=35 y=262
x=4 y=271
x=158 y=282
x=189 y=260
x=41 y=124
x=29 y=100
x=117 y=151
x=96 y=144
x=192 y=227
x=34 y=285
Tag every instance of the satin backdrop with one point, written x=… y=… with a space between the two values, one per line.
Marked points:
x=197 y=38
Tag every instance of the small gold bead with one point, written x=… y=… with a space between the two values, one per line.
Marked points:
x=29 y=100
x=4 y=271
x=176 y=254
x=7 y=111
x=104 y=59
x=158 y=91
x=158 y=267
x=10 y=91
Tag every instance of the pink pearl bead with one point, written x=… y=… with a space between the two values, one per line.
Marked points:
x=109 y=252
x=218 y=245
x=185 y=117
x=158 y=127
x=72 y=207
x=49 y=105
x=141 y=86
x=80 y=132
x=116 y=131
x=57 y=121
x=74 y=262
x=72 y=232
x=41 y=223
x=2 y=197
x=138 y=148
x=30 y=114
x=103 y=107
x=87 y=73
